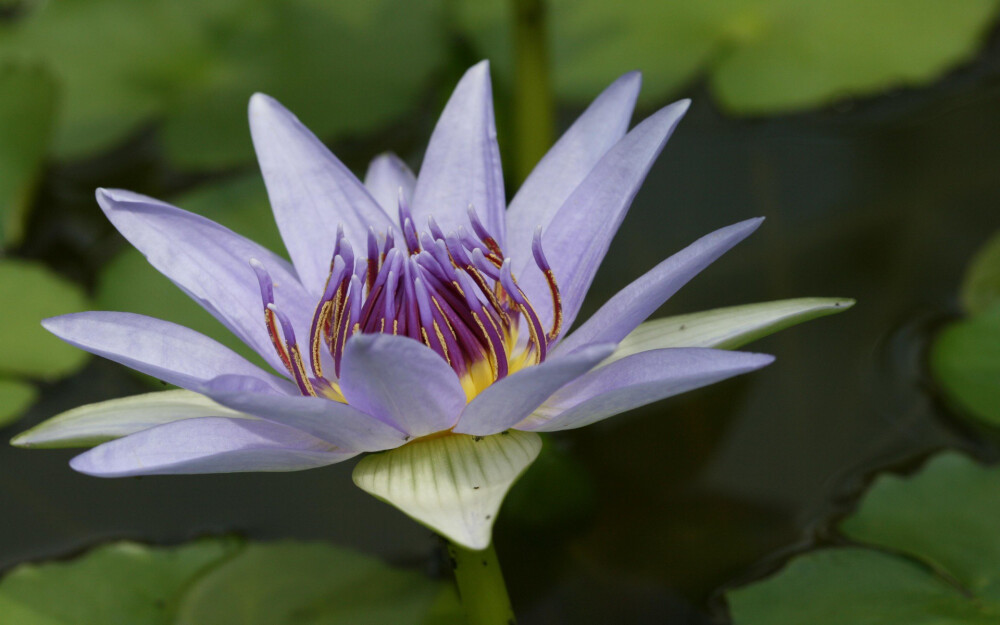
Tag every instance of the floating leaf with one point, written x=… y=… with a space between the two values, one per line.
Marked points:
x=314 y=583
x=935 y=558
x=344 y=67
x=33 y=293
x=452 y=484
x=761 y=56
x=15 y=397
x=27 y=112
x=129 y=284
x=727 y=328
x=981 y=286
x=118 y=583
x=223 y=581
x=94 y=424
x=965 y=360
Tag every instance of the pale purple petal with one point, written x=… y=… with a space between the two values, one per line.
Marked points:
x=311 y=191
x=387 y=175
x=211 y=264
x=567 y=164
x=208 y=445
x=401 y=382
x=578 y=237
x=636 y=381
x=632 y=305
x=506 y=402
x=331 y=421
x=162 y=349
x=462 y=162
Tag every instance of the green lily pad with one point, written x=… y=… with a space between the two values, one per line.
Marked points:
x=273 y=584
x=33 y=293
x=118 y=583
x=223 y=581
x=27 y=113
x=965 y=360
x=981 y=286
x=344 y=67
x=15 y=397
x=760 y=56
x=128 y=283
x=932 y=558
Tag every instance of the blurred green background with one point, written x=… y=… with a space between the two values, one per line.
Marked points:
x=866 y=133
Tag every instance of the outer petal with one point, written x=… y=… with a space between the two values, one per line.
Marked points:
x=387 y=174
x=566 y=165
x=506 y=402
x=311 y=191
x=462 y=162
x=164 y=350
x=632 y=305
x=636 y=381
x=452 y=484
x=211 y=264
x=93 y=424
x=331 y=421
x=727 y=328
x=209 y=445
x=578 y=237
x=401 y=382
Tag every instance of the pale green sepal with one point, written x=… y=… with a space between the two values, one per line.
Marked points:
x=93 y=424
x=453 y=484
x=726 y=328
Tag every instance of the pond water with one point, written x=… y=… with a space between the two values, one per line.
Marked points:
x=882 y=200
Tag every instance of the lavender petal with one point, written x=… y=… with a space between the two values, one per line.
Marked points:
x=636 y=381
x=208 y=445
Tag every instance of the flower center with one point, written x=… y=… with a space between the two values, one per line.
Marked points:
x=454 y=293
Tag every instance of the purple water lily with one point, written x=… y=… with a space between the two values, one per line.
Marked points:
x=414 y=308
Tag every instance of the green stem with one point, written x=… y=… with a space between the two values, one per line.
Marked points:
x=481 y=586
x=534 y=113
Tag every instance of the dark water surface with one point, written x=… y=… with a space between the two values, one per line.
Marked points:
x=883 y=200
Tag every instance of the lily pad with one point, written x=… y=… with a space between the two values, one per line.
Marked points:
x=32 y=293
x=27 y=113
x=760 y=56
x=223 y=581
x=965 y=360
x=15 y=397
x=129 y=284
x=930 y=555
x=315 y=584
x=344 y=67
x=981 y=286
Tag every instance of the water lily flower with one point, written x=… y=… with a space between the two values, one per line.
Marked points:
x=419 y=314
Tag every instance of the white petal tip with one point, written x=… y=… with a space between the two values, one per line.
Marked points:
x=453 y=484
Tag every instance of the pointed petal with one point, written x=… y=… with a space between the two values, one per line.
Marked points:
x=211 y=264
x=452 y=484
x=208 y=445
x=579 y=235
x=331 y=421
x=401 y=382
x=387 y=174
x=508 y=401
x=726 y=328
x=632 y=305
x=636 y=381
x=462 y=162
x=311 y=191
x=94 y=424
x=567 y=164
x=164 y=350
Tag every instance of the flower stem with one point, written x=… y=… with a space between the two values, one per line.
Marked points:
x=534 y=114
x=480 y=586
